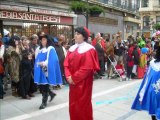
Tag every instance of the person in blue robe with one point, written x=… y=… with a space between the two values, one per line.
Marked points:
x=46 y=69
x=148 y=96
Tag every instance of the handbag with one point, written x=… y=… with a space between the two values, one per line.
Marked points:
x=1 y=67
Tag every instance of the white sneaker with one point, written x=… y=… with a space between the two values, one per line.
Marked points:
x=130 y=79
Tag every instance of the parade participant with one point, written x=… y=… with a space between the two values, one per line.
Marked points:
x=46 y=69
x=148 y=96
x=80 y=64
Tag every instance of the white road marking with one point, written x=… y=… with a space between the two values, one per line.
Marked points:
x=63 y=105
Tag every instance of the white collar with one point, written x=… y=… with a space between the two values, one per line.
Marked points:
x=155 y=66
x=82 y=48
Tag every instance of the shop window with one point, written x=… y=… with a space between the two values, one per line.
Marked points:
x=57 y=30
x=28 y=29
x=158 y=19
x=146 y=21
x=14 y=30
x=145 y=3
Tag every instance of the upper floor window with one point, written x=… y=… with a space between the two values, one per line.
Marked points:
x=158 y=19
x=145 y=3
x=146 y=20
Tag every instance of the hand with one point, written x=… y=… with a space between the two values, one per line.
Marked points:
x=30 y=57
x=70 y=80
x=140 y=102
x=41 y=64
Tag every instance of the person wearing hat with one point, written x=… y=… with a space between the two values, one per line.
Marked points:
x=80 y=64
x=6 y=38
x=148 y=96
x=46 y=69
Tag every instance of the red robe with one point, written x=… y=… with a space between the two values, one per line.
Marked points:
x=81 y=62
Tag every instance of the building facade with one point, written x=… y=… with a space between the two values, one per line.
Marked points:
x=30 y=17
x=26 y=17
x=150 y=14
x=120 y=15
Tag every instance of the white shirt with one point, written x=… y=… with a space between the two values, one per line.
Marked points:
x=2 y=48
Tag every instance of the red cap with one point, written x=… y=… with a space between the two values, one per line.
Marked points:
x=87 y=31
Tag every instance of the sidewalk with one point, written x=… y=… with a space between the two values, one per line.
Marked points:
x=112 y=100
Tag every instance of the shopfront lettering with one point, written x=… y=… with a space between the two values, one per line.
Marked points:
x=52 y=12
x=14 y=7
x=29 y=16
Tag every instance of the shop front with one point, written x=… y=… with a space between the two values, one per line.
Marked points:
x=24 y=20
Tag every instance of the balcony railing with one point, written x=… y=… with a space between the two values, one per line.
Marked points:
x=126 y=6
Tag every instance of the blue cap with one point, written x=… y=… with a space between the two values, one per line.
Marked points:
x=144 y=50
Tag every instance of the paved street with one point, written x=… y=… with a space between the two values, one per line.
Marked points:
x=111 y=101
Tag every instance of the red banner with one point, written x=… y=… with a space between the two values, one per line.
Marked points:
x=35 y=17
x=29 y=16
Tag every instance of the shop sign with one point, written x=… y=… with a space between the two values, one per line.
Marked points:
x=29 y=16
x=14 y=8
x=46 y=11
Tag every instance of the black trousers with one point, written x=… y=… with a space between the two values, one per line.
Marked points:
x=129 y=71
x=44 y=88
x=153 y=117
x=1 y=86
x=102 y=66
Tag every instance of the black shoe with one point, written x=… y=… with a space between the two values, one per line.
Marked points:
x=1 y=97
x=102 y=75
x=44 y=100
x=52 y=95
x=43 y=105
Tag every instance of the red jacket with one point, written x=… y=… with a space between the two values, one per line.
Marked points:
x=130 y=61
x=103 y=44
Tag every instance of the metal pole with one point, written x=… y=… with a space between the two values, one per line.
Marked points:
x=1 y=28
x=87 y=15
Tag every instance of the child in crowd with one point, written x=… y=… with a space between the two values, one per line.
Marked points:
x=120 y=69
x=25 y=74
x=143 y=63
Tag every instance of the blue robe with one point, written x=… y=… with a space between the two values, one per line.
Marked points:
x=52 y=74
x=149 y=92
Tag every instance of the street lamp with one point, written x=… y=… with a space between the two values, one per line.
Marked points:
x=86 y=14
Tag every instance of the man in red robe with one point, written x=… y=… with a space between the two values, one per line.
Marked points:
x=80 y=64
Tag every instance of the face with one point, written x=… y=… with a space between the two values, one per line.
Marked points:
x=44 y=42
x=16 y=42
x=119 y=39
x=98 y=35
x=89 y=39
x=34 y=41
x=78 y=37
x=62 y=37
